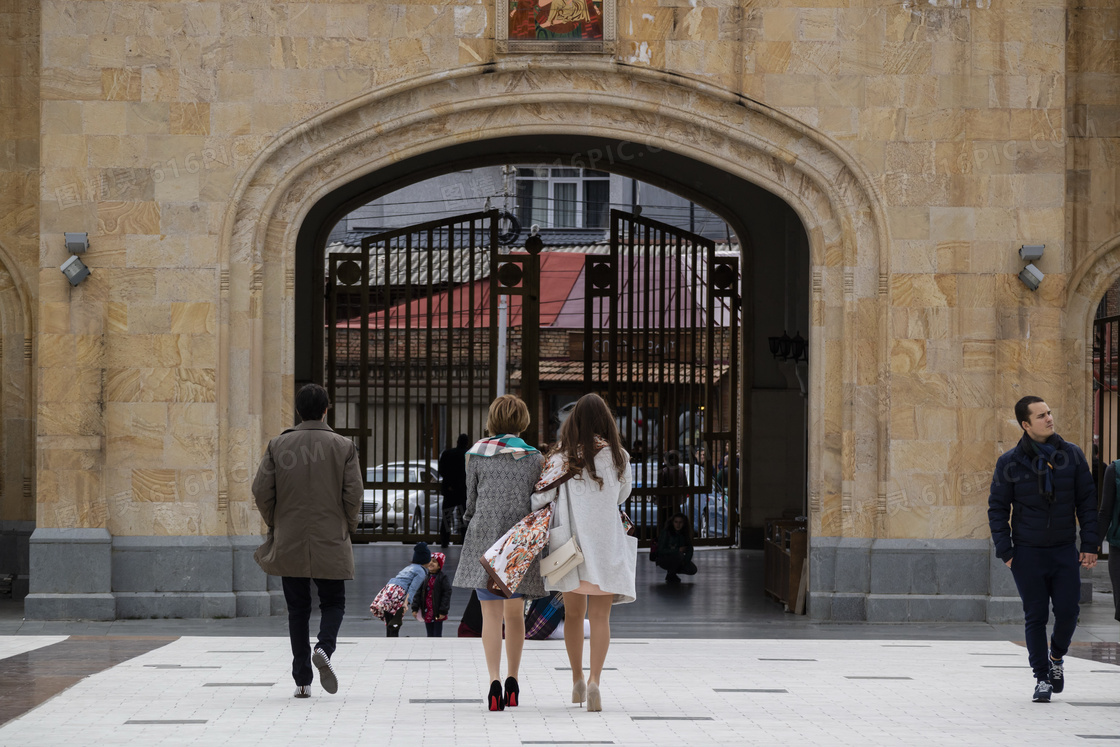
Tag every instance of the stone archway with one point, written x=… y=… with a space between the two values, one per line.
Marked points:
x=17 y=502
x=849 y=379
x=1087 y=285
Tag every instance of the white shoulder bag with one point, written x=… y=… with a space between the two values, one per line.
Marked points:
x=561 y=560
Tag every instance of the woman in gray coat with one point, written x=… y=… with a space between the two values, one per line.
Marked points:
x=501 y=473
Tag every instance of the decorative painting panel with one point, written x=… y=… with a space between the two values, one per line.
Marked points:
x=556 y=25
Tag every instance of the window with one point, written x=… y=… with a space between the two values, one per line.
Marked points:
x=554 y=197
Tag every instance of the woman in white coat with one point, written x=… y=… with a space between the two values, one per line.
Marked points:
x=588 y=477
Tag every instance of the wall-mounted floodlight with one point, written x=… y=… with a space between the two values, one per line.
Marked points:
x=1031 y=277
x=77 y=243
x=1031 y=252
x=74 y=270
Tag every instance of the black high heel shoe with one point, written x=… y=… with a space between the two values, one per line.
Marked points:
x=495 y=701
x=513 y=692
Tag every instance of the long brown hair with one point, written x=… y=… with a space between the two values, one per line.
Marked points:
x=590 y=418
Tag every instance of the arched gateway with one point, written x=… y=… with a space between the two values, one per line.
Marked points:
x=848 y=391
x=557 y=102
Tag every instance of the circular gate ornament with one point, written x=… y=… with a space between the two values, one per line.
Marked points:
x=348 y=273
x=723 y=276
x=601 y=275
x=509 y=274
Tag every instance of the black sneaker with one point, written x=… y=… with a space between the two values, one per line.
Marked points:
x=327 y=677
x=1042 y=692
x=1057 y=675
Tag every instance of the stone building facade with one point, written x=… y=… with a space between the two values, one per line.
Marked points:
x=900 y=150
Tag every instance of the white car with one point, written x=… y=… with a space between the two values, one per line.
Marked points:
x=404 y=502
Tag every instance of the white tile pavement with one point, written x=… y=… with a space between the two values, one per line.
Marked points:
x=10 y=645
x=833 y=692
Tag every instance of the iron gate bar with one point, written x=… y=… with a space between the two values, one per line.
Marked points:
x=657 y=324
x=402 y=291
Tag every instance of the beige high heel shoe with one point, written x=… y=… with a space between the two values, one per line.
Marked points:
x=579 y=691
x=594 y=701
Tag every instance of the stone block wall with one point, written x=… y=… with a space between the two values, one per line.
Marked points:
x=921 y=143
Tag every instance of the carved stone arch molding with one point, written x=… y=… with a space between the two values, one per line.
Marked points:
x=17 y=413
x=835 y=200
x=1088 y=284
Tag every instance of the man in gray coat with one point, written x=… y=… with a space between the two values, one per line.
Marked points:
x=308 y=489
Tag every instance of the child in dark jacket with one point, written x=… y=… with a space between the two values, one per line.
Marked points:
x=433 y=600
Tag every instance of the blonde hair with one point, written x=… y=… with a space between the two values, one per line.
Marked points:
x=508 y=414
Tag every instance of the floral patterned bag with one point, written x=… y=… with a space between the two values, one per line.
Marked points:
x=508 y=559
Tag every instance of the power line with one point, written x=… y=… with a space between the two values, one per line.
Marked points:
x=548 y=199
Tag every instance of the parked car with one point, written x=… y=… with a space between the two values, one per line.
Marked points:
x=709 y=517
x=404 y=505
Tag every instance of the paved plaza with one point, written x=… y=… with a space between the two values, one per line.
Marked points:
x=689 y=666
x=214 y=690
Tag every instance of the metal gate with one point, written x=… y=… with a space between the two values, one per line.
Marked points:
x=1106 y=386
x=413 y=333
x=412 y=357
x=661 y=343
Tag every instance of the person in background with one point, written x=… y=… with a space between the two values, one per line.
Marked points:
x=390 y=602
x=1110 y=530
x=671 y=475
x=674 y=549
x=453 y=486
x=433 y=601
x=1041 y=491
x=310 y=507
x=501 y=473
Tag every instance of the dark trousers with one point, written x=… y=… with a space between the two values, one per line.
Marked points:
x=675 y=562
x=393 y=624
x=450 y=519
x=435 y=629
x=1045 y=576
x=1114 y=576
x=332 y=605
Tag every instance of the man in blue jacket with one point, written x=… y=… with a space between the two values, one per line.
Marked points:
x=1044 y=489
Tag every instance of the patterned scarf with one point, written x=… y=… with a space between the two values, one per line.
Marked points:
x=559 y=468
x=503 y=444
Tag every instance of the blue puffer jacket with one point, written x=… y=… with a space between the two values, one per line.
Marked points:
x=1035 y=520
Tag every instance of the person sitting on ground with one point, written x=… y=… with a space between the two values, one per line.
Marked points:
x=674 y=549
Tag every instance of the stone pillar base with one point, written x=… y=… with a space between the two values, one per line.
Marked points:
x=70 y=607
x=254 y=604
x=15 y=537
x=143 y=605
x=88 y=574
x=903 y=580
x=276 y=590
x=70 y=575
x=1005 y=610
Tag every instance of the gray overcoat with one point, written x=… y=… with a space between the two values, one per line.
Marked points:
x=499 y=493
x=308 y=489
